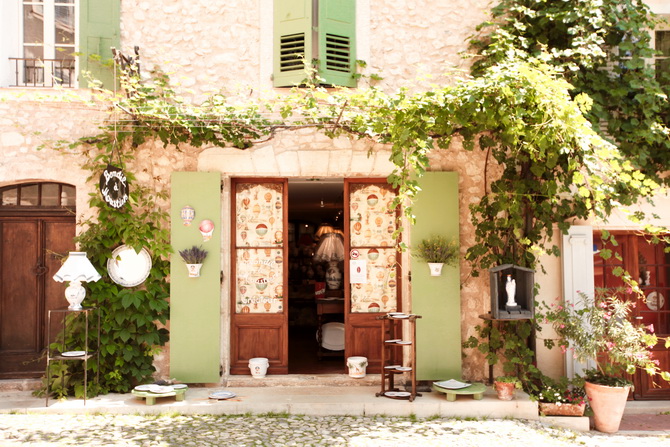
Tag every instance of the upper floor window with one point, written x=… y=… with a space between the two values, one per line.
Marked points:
x=662 y=60
x=49 y=43
x=321 y=33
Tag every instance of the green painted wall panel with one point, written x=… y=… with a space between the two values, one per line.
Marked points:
x=437 y=299
x=195 y=303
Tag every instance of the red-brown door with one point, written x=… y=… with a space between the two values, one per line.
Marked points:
x=650 y=266
x=369 y=242
x=259 y=314
x=30 y=249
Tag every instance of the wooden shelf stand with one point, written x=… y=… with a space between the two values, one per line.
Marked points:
x=392 y=349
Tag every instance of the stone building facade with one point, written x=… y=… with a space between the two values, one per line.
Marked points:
x=227 y=47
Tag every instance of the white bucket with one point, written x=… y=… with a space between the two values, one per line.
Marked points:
x=357 y=366
x=259 y=367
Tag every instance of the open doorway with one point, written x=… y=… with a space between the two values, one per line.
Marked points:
x=316 y=289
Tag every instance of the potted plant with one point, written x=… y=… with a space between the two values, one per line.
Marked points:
x=506 y=386
x=561 y=397
x=598 y=330
x=193 y=257
x=437 y=251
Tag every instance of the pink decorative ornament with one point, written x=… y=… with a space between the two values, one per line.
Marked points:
x=206 y=229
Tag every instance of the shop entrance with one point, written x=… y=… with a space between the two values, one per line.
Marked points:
x=313 y=265
x=316 y=289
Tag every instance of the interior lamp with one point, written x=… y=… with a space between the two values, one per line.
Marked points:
x=76 y=269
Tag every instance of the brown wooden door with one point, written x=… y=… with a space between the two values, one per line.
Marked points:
x=650 y=266
x=29 y=249
x=259 y=311
x=369 y=240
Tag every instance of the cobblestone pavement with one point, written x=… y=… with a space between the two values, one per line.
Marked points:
x=284 y=430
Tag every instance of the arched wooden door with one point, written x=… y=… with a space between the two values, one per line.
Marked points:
x=37 y=227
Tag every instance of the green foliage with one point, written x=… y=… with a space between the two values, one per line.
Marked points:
x=562 y=391
x=598 y=329
x=603 y=49
x=438 y=249
x=509 y=379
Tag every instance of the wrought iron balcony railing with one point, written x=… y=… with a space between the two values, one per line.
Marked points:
x=43 y=72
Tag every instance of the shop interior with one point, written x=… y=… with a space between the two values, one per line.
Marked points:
x=316 y=291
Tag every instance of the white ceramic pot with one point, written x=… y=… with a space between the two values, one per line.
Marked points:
x=435 y=268
x=357 y=366
x=193 y=270
x=259 y=367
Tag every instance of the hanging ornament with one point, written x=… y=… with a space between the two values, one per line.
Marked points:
x=187 y=215
x=114 y=187
x=206 y=229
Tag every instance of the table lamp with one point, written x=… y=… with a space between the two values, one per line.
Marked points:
x=77 y=268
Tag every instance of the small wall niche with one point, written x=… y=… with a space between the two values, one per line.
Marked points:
x=524 y=278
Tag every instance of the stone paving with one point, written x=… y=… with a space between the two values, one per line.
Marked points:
x=175 y=429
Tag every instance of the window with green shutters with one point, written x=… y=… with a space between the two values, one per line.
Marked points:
x=321 y=33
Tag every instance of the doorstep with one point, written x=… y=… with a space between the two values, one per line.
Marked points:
x=302 y=400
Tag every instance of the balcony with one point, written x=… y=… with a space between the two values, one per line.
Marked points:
x=43 y=72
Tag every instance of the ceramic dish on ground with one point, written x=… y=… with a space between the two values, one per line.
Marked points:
x=179 y=386
x=452 y=384
x=73 y=353
x=159 y=389
x=221 y=395
x=397 y=394
x=143 y=387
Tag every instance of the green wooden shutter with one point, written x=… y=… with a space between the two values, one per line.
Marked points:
x=99 y=31
x=195 y=303
x=292 y=41
x=337 y=42
x=436 y=298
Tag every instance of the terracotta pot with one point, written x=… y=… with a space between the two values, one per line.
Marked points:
x=505 y=390
x=608 y=403
x=549 y=409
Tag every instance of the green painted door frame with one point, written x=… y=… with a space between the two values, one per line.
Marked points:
x=437 y=298
x=195 y=303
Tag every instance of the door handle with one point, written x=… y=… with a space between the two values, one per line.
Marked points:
x=40 y=270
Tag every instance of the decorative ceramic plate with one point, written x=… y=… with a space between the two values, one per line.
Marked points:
x=395 y=340
x=179 y=386
x=404 y=342
x=404 y=368
x=222 y=395
x=398 y=394
x=399 y=316
x=128 y=268
x=159 y=389
x=452 y=384
x=392 y=367
x=73 y=353
x=655 y=301
x=143 y=387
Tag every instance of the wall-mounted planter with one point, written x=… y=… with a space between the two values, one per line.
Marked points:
x=435 y=268
x=193 y=270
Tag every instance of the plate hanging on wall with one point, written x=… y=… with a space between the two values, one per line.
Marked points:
x=128 y=268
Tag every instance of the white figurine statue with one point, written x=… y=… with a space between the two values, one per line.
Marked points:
x=510 y=288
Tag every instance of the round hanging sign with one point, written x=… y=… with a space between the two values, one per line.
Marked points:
x=114 y=187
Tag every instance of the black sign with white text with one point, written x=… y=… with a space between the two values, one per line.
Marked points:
x=114 y=187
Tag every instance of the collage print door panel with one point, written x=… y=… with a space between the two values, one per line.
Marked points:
x=369 y=240
x=650 y=266
x=259 y=313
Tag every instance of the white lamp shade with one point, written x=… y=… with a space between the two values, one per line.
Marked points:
x=77 y=267
x=330 y=248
